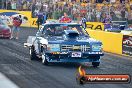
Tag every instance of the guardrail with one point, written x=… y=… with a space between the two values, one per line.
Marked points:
x=112 y=42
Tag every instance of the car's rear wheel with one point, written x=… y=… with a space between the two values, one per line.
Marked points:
x=95 y=64
x=44 y=59
x=32 y=53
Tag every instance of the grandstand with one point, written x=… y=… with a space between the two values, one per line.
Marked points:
x=93 y=9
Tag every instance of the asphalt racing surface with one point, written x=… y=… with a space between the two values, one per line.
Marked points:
x=16 y=66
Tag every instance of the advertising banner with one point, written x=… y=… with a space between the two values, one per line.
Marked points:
x=95 y=26
x=127 y=45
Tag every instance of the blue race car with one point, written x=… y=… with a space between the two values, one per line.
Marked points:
x=64 y=42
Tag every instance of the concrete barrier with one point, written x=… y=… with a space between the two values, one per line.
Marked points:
x=112 y=42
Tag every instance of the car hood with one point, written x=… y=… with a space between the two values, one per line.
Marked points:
x=73 y=41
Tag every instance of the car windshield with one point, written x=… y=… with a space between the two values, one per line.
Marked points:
x=58 y=29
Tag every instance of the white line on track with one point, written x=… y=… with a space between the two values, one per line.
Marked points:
x=6 y=83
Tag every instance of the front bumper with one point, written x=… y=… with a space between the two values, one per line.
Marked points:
x=5 y=35
x=67 y=57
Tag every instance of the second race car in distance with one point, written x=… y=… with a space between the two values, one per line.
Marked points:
x=5 y=30
x=64 y=42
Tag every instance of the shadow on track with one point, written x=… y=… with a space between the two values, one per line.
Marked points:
x=68 y=64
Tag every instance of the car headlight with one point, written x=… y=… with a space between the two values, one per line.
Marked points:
x=96 y=47
x=53 y=47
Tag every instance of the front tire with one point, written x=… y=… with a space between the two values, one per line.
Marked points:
x=95 y=64
x=44 y=59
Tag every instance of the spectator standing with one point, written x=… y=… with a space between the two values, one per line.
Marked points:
x=13 y=5
x=118 y=12
x=50 y=10
x=28 y=5
x=44 y=17
x=83 y=21
x=126 y=14
x=33 y=10
x=73 y=13
x=17 y=21
x=112 y=1
x=24 y=5
x=99 y=1
x=88 y=16
x=40 y=19
x=130 y=15
x=107 y=1
x=65 y=18
x=93 y=16
x=103 y=16
x=4 y=5
x=19 y=5
x=113 y=16
x=38 y=4
x=123 y=14
x=9 y=5
x=98 y=13
x=122 y=1
x=45 y=6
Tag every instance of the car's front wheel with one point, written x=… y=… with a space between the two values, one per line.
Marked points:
x=95 y=64
x=44 y=59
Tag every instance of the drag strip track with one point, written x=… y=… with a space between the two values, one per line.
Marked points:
x=16 y=65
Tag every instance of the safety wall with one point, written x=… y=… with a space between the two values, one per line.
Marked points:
x=33 y=22
x=118 y=43
x=27 y=20
x=112 y=42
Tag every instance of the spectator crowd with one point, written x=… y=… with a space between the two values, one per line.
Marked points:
x=16 y=5
x=102 y=11
x=93 y=10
